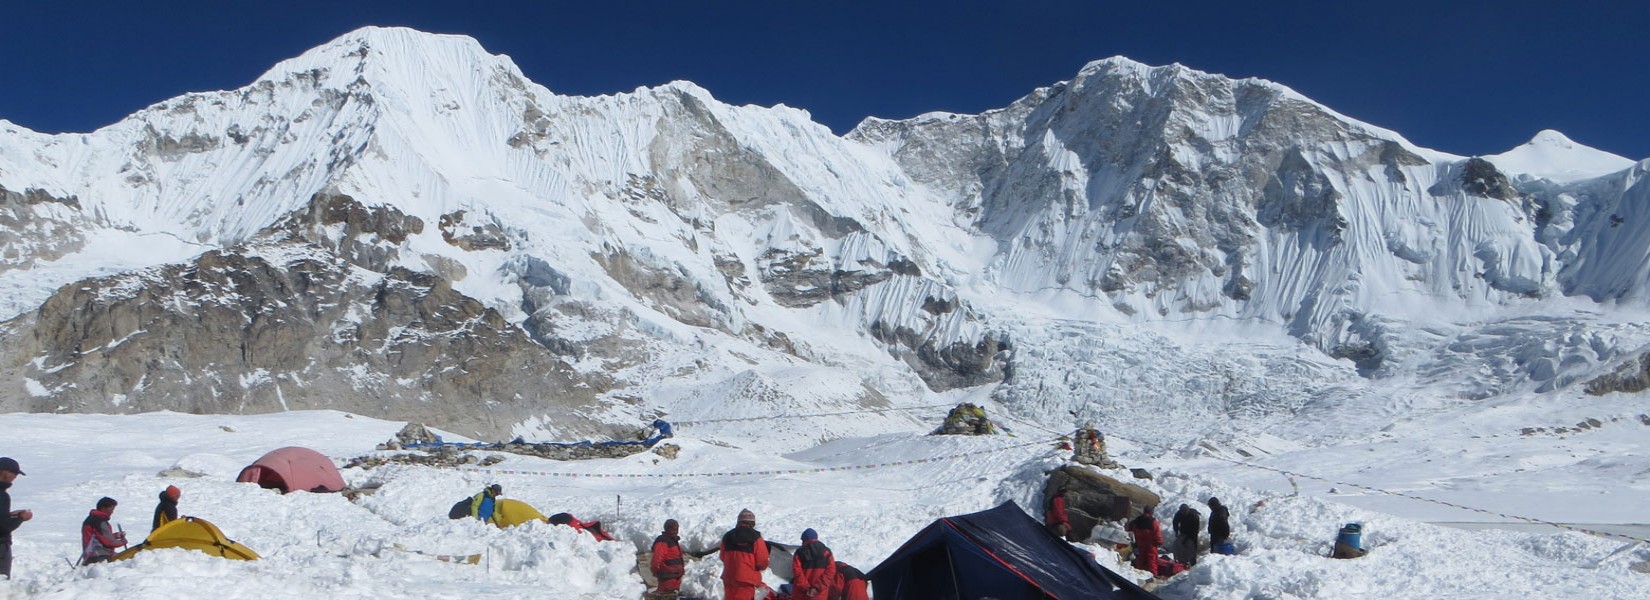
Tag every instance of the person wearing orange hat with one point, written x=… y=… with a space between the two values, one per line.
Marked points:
x=167 y=510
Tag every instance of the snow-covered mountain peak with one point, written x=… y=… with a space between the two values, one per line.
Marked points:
x=1554 y=156
x=393 y=57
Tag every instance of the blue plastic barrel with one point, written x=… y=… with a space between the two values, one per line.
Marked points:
x=1351 y=535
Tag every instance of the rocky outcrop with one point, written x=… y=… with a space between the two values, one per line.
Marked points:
x=368 y=237
x=1629 y=377
x=470 y=237
x=285 y=326
x=665 y=289
x=37 y=226
x=1092 y=497
x=944 y=365
x=1480 y=177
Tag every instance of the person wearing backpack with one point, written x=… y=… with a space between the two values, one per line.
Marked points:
x=97 y=540
x=482 y=504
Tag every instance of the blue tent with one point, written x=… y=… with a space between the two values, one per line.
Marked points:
x=1000 y=553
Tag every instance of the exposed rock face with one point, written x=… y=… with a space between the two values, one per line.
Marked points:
x=1480 y=177
x=1630 y=377
x=665 y=289
x=472 y=237
x=35 y=226
x=279 y=327
x=944 y=366
x=369 y=238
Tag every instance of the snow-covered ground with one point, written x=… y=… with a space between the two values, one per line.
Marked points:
x=323 y=545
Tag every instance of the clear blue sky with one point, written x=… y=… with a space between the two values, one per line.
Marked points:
x=1463 y=77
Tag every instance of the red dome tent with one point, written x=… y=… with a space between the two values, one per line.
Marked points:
x=293 y=468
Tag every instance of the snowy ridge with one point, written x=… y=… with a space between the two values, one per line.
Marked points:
x=1555 y=157
x=1131 y=193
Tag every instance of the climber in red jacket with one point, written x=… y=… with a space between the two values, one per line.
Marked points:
x=97 y=540
x=744 y=558
x=1056 y=517
x=1148 y=537
x=667 y=558
x=815 y=569
x=850 y=583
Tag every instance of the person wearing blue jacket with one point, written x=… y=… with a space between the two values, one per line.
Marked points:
x=481 y=506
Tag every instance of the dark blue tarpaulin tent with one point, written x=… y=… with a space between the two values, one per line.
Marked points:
x=1000 y=553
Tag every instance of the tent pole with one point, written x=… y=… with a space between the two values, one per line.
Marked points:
x=956 y=586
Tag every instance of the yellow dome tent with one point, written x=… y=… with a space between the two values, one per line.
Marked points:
x=193 y=534
x=510 y=513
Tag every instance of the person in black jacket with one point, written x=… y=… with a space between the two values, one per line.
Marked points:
x=1187 y=522
x=167 y=510
x=1220 y=531
x=12 y=519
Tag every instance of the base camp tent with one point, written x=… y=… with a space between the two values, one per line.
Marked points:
x=293 y=469
x=1000 y=553
x=191 y=533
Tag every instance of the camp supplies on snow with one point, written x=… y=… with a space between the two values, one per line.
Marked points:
x=1349 y=542
x=1351 y=535
x=191 y=533
x=460 y=509
x=292 y=469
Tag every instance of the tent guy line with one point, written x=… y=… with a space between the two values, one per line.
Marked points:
x=833 y=414
x=771 y=472
x=1293 y=474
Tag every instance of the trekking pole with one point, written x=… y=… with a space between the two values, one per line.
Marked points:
x=618 y=505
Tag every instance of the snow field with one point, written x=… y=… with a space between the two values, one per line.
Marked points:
x=325 y=545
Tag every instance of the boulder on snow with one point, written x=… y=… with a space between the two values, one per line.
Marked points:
x=413 y=433
x=1092 y=497
x=966 y=419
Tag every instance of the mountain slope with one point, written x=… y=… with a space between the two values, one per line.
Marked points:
x=401 y=224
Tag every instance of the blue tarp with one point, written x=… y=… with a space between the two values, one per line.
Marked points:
x=1000 y=553
x=663 y=427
